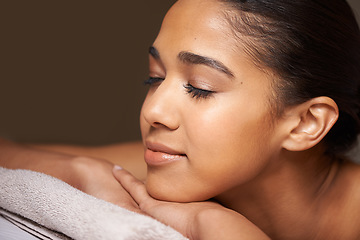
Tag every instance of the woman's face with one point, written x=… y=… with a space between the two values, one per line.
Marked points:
x=206 y=122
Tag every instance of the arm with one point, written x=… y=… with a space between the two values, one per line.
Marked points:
x=129 y=155
x=197 y=220
x=89 y=174
x=16 y=156
x=222 y=223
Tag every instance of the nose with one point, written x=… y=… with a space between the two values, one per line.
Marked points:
x=160 y=108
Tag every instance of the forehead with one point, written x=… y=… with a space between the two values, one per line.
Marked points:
x=201 y=27
x=195 y=12
x=198 y=26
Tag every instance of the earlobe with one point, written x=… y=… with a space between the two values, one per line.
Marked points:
x=309 y=123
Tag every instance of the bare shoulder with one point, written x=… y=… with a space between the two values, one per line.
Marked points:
x=129 y=155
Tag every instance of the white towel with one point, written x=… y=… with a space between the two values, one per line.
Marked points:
x=44 y=203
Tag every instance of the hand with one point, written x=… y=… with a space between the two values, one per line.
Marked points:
x=94 y=177
x=197 y=220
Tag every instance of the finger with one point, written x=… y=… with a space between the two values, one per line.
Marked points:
x=133 y=186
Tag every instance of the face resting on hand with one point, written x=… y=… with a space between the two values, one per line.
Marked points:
x=206 y=122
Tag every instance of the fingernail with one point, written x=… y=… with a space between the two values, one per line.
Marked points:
x=117 y=167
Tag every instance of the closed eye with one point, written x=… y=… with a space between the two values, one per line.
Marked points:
x=152 y=80
x=197 y=92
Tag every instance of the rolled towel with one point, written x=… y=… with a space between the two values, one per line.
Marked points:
x=51 y=203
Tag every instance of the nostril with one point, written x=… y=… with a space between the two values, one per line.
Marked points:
x=157 y=124
x=162 y=125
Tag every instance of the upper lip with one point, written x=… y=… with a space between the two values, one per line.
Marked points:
x=158 y=147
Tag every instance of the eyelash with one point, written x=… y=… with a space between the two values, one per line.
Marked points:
x=153 y=80
x=197 y=93
x=194 y=92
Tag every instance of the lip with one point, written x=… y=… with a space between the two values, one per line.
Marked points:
x=158 y=154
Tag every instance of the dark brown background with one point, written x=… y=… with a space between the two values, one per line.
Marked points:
x=72 y=71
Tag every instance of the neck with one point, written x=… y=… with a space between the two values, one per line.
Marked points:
x=286 y=195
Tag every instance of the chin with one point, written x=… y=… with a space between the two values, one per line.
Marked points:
x=169 y=192
x=164 y=193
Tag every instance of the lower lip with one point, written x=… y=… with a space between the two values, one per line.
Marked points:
x=159 y=158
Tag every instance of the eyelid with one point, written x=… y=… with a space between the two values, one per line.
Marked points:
x=197 y=93
x=152 y=80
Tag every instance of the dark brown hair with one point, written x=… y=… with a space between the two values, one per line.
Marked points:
x=313 y=47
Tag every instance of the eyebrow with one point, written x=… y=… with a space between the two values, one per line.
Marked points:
x=154 y=52
x=191 y=58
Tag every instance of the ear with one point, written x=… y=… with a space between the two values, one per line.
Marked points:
x=309 y=122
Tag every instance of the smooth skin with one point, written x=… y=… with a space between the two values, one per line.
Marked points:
x=272 y=170
x=210 y=107
x=221 y=145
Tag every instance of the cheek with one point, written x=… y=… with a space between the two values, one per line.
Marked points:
x=224 y=146
x=144 y=125
x=223 y=130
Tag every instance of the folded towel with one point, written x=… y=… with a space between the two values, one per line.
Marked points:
x=14 y=227
x=44 y=203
